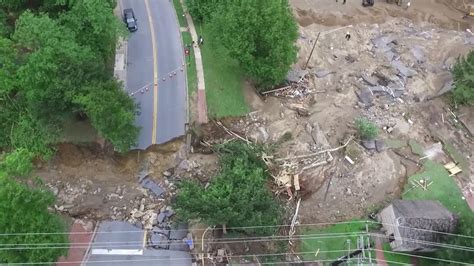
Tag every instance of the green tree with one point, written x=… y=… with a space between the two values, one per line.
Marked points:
x=238 y=196
x=112 y=113
x=25 y=210
x=12 y=5
x=8 y=66
x=35 y=135
x=463 y=72
x=57 y=67
x=202 y=10
x=261 y=35
x=18 y=163
x=95 y=25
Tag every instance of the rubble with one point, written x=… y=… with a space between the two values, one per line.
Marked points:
x=152 y=186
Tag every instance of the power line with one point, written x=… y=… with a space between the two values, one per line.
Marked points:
x=137 y=231
x=228 y=238
x=247 y=227
x=423 y=257
x=238 y=240
x=126 y=244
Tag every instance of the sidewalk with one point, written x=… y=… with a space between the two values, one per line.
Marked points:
x=379 y=253
x=80 y=238
x=201 y=93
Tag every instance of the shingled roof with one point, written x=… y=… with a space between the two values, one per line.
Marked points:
x=422 y=214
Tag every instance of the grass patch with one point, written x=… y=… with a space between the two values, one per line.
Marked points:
x=331 y=247
x=405 y=259
x=457 y=156
x=416 y=147
x=396 y=143
x=224 y=80
x=180 y=11
x=443 y=189
x=190 y=64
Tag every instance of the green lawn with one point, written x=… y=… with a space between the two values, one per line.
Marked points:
x=330 y=246
x=222 y=75
x=224 y=80
x=179 y=12
x=443 y=189
x=396 y=143
x=191 y=64
x=389 y=256
x=416 y=147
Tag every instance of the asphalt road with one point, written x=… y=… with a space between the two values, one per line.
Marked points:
x=155 y=53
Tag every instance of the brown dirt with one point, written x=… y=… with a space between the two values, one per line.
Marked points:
x=341 y=191
x=444 y=13
x=92 y=185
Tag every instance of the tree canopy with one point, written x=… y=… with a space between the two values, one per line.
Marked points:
x=237 y=196
x=54 y=64
x=261 y=35
x=463 y=72
x=25 y=210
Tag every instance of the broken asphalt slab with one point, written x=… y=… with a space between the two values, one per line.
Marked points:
x=179 y=232
x=403 y=70
x=152 y=186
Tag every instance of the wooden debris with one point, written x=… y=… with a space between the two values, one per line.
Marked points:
x=349 y=159
x=452 y=168
x=296 y=182
x=233 y=133
x=316 y=153
x=275 y=90
x=293 y=222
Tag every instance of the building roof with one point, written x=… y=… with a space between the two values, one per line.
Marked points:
x=428 y=215
x=120 y=243
x=149 y=257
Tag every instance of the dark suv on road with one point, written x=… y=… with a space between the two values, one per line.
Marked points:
x=129 y=19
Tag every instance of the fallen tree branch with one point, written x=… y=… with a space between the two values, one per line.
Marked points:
x=275 y=90
x=293 y=222
x=316 y=153
x=233 y=133
x=316 y=164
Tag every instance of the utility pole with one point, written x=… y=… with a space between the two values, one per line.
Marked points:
x=312 y=50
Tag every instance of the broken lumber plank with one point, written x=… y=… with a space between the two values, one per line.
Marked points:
x=275 y=90
x=296 y=182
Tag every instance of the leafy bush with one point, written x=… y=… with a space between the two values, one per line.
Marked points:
x=237 y=197
x=367 y=129
x=463 y=72
x=18 y=163
x=25 y=210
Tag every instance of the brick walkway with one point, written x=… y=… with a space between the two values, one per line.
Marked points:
x=379 y=253
x=201 y=95
x=76 y=255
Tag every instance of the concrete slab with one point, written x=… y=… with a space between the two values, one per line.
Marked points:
x=152 y=186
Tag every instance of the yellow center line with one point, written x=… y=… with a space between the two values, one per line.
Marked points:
x=155 y=74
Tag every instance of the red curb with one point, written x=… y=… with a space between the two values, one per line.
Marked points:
x=76 y=254
x=202 y=107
